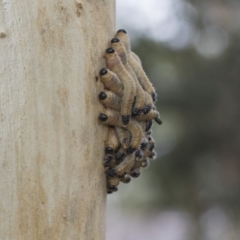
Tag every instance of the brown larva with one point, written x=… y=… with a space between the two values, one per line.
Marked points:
x=112 y=142
x=110 y=99
x=112 y=118
x=124 y=167
x=111 y=81
x=142 y=97
x=137 y=68
x=114 y=63
x=124 y=137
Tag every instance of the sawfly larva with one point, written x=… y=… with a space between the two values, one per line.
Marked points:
x=142 y=98
x=114 y=63
x=111 y=81
x=110 y=99
x=137 y=68
x=112 y=142
x=124 y=167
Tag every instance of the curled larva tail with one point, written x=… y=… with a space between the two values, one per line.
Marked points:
x=112 y=142
x=136 y=135
x=111 y=81
x=114 y=63
x=110 y=99
x=124 y=137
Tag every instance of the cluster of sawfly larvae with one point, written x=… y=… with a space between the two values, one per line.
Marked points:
x=129 y=100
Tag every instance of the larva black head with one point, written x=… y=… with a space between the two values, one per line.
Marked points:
x=147 y=109
x=110 y=50
x=149 y=132
x=139 y=154
x=153 y=155
x=152 y=146
x=103 y=117
x=122 y=30
x=107 y=160
x=136 y=173
x=120 y=157
x=108 y=150
x=130 y=150
x=103 y=71
x=125 y=119
x=112 y=188
x=114 y=40
x=111 y=173
x=109 y=192
x=135 y=112
x=102 y=95
x=143 y=145
x=148 y=125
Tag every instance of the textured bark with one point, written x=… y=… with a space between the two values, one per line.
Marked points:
x=52 y=182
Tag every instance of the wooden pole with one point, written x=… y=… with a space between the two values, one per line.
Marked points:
x=52 y=182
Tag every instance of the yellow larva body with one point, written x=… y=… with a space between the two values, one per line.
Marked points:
x=112 y=140
x=137 y=68
x=136 y=133
x=124 y=137
x=136 y=57
x=114 y=63
x=126 y=165
x=111 y=100
x=112 y=83
x=140 y=93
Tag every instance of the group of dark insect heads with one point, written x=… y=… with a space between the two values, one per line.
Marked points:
x=129 y=99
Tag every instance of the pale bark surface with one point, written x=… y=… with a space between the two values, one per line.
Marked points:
x=52 y=182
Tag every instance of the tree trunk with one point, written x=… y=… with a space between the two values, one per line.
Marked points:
x=52 y=181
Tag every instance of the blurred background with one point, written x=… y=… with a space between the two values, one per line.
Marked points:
x=191 y=52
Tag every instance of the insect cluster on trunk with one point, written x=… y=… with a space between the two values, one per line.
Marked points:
x=129 y=99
